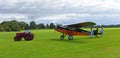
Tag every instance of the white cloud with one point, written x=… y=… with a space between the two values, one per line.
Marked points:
x=57 y=11
x=12 y=15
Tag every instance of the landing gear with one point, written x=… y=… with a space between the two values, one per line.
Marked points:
x=70 y=37
x=62 y=37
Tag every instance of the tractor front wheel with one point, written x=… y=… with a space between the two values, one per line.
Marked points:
x=16 y=38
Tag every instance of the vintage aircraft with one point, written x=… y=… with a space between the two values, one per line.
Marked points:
x=75 y=30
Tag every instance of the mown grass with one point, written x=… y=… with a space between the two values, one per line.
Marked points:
x=47 y=44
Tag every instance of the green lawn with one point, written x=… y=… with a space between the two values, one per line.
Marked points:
x=47 y=44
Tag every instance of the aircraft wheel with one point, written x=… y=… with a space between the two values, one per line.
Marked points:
x=62 y=37
x=70 y=37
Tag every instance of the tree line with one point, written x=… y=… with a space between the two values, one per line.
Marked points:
x=18 y=26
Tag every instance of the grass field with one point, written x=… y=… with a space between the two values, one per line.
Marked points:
x=47 y=44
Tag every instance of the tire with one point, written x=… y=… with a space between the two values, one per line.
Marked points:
x=62 y=37
x=17 y=38
x=28 y=37
x=70 y=37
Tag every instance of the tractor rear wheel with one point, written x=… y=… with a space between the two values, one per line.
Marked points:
x=28 y=37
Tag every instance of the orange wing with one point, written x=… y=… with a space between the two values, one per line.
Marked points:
x=73 y=32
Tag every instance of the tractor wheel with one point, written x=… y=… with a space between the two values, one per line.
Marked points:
x=70 y=37
x=17 y=38
x=62 y=37
x=28 y=37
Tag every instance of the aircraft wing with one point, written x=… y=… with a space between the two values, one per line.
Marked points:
x=82 y=24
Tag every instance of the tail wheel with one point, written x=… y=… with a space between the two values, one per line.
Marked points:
x=28 y=37
x=70 y=37
x=62 y=37
x=16 y=38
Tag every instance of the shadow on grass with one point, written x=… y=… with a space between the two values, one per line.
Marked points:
x=87 y=38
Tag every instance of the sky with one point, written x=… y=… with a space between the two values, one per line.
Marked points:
x=61 y=11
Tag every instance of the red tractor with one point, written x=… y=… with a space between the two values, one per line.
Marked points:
x=21 y=35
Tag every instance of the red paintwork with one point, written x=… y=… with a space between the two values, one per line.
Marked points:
x=21 y=35
x=71 y=32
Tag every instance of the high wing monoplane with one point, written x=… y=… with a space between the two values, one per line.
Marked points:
x=76 y=30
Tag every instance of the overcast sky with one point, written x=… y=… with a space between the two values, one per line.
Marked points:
x=61 y=11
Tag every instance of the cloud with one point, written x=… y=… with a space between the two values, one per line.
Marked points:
x=57 y=11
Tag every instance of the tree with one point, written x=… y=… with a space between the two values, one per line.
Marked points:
x=41 y=26
x=1 y=28
x=52 y=26
x=23 y=25
x=33 y=25
x=6 y=26
x=10 y=25
x=14 y=25
x=59 y=24
x=47 y=26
